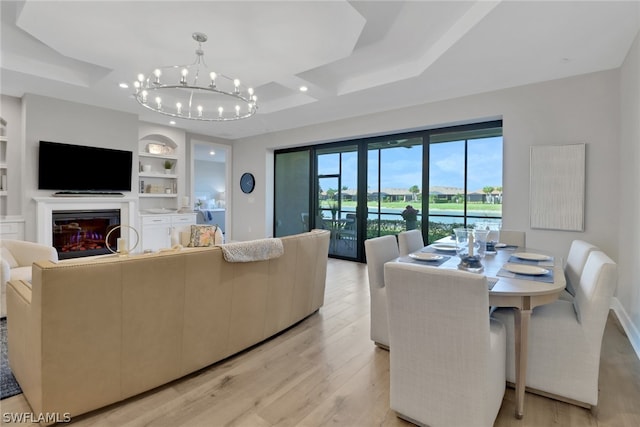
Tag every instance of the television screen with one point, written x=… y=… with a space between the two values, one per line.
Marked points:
x=81 y=168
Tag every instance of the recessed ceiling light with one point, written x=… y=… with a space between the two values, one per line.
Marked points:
x=172 y=122
x=303 y=88
x=124 y=85
x=212 y=153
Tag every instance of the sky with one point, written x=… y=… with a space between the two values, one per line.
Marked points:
x=402 y=166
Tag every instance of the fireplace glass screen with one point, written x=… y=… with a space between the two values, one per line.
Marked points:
x=82 y=233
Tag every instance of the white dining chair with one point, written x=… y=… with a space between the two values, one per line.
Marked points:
x=576 y=259
x=447 y=356
x=378 y=251
x=513 y=238
x=410 y=241
x=565 y=337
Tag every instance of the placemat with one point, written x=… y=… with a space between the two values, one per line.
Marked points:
x=547 y=278
x=546 y=263
x=434 y=263
x=431 y=249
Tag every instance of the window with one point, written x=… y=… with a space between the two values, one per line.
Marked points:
x=461 y=168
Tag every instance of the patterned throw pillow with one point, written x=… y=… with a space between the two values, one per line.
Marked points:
x=203 y=235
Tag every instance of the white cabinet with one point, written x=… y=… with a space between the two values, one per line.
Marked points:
x=12 y=228
x=157 y=229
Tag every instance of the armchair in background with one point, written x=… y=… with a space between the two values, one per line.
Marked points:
x=17 y=256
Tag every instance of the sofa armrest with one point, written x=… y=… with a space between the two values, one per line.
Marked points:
x=26 y=253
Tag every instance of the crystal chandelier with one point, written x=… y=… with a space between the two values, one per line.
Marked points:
x=195 y=92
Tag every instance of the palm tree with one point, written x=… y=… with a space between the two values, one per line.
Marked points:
x=414 y=189
x=488 y=190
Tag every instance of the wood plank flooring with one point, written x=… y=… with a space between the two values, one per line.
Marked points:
x=326 y=371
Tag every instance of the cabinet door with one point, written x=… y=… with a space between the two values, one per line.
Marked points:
x=156 y=233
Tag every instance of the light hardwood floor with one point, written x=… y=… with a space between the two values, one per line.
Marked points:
x=326 y=371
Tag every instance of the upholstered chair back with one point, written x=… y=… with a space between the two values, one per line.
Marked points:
x=565 y=337
x=447 y=358
x=576 y=259
x=378 y=251
x=513 y=237
x=410 y=241
x=593 y=295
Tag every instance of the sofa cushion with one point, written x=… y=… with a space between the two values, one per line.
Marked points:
x=5 y=254
x=203 y=235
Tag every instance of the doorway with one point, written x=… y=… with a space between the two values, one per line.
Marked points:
x=209 y=178
x=337 y=199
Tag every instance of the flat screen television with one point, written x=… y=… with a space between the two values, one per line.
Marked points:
x=80 y=168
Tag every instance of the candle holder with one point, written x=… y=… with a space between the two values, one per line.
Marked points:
x=122 y=248
x=471 y=246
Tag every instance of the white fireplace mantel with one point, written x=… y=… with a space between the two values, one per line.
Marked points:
x=46 y=206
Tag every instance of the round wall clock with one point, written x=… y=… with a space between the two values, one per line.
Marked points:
x=247 y=182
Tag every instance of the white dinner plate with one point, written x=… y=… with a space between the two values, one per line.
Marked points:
x=531 y=270
x=444 y=247
x=500 y=245
x=531 y=256
x=426 y=256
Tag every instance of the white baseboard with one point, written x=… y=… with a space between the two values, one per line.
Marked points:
x=630 y=329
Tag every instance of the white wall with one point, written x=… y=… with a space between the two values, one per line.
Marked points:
x=61 y=121
x=628 y=294
x=209 y=178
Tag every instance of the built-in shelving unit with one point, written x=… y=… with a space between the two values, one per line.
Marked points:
x=4 y=141
x=155 y=182
x=156 y=186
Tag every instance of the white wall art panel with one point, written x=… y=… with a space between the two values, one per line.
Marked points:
x=557 y=187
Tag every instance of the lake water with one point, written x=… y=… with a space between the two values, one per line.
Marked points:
x=395 y=214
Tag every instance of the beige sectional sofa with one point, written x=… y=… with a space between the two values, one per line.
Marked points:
x=88 y=333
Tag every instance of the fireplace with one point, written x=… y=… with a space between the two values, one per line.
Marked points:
x=80 y=233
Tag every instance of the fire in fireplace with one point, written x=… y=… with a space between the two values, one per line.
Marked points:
x=82 y=233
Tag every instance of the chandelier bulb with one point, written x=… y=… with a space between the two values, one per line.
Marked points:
x=179 y=108
x=140 y=78
x=157 y=73
x=237 y=110
x=199 y=110
x=184 y=73
x=159 y=102
x=144 y=96
x=250 y=90
x=220 y=110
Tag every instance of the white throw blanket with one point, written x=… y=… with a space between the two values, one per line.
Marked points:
x=252 y=250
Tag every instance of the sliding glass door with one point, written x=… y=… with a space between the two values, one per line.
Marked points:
x=432 y=180
x=394 y=185
x=336 y=198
